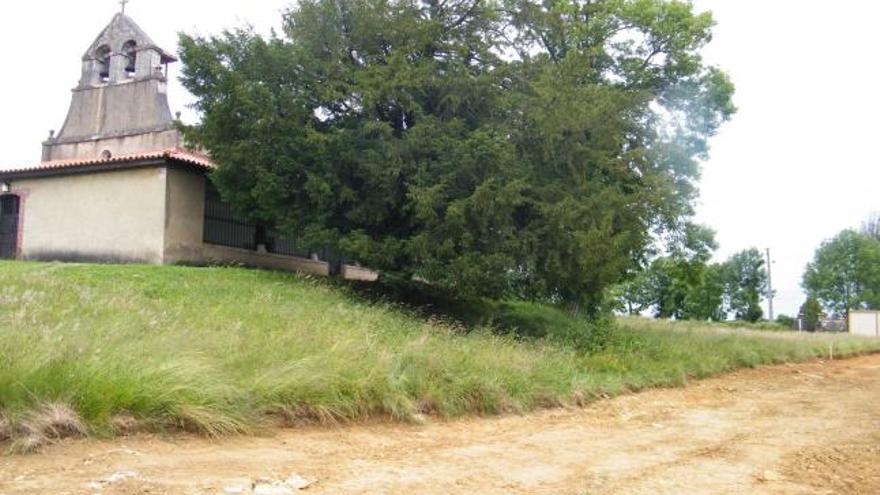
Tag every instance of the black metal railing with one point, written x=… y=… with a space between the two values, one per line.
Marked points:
x=9 y=205
x=225 y=227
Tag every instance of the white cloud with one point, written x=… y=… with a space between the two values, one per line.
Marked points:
x=796 y=164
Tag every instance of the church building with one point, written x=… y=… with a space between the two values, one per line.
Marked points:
x=116 y=184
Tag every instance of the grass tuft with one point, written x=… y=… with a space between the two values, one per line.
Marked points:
x=27 y=444
x=55 y=421
x=45 y=424
x=126 y=424
x=206 y=421
x=5 y=429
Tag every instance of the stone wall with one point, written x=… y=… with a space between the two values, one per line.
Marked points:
x=152 y=214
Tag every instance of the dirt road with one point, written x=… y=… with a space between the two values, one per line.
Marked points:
x=812 y=428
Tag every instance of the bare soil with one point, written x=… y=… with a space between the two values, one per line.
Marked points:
x=792 y=429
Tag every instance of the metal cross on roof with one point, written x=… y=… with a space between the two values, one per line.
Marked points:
x=123 y=2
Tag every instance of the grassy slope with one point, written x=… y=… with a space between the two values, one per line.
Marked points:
x=215 y=350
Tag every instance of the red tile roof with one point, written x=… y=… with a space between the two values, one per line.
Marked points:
x=176 y=154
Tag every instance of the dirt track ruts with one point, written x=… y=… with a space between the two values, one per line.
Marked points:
x=807 y=428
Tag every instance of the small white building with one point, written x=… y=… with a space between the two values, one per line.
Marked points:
x=117 y=185
x=864 y=323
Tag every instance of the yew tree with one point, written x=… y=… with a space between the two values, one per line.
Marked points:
x=513 y=148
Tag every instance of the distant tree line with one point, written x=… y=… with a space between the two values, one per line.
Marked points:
x=684 y=284
x=845 y=272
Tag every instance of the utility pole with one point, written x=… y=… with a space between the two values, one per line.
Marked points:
x=769 y=286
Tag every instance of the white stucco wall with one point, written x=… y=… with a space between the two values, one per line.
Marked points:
x=184 y=216
x=864 y=323
x=142 y=215
x=114 y=216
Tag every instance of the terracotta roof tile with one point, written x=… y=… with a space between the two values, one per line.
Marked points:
x=177 y=154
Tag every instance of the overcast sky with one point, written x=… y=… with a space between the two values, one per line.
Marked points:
x=796 y=165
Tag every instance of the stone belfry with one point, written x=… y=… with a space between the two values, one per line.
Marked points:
x=120 y=105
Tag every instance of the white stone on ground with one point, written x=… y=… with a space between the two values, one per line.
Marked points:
x=273 y=488
x=297 y=482
x=293 y=483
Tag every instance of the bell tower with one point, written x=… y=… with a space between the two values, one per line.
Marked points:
x=120 y=105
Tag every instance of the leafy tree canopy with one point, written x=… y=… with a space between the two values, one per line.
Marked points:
x=811 y=311
x=845 y=273
x=500 y=148
x=681 y=284
x=746 y=282
x=685 y=286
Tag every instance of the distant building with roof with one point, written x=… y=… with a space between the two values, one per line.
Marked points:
x=117 y=185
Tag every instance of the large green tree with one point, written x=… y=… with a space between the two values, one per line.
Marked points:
x=506 y=147
x=745 y=276
x=811 y=311
x=680 y=284
x=845 y=273
x=684 y=285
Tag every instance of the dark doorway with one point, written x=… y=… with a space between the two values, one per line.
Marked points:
x=9 y=207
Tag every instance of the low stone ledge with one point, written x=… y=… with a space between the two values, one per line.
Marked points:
x=359 y=273
x=223 y=254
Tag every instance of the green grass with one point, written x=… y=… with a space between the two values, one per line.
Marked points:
x=221 y=350
x=637 y=323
